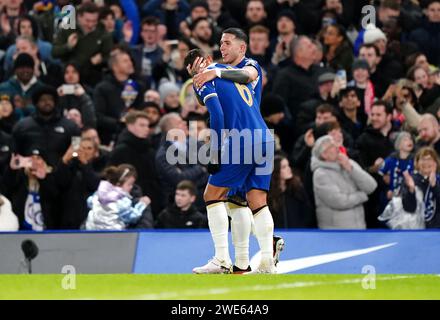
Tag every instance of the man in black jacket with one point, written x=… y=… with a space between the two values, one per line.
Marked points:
x=182 y=214
x=47 y=128
x=298 y=82
x=115 y=95
x=374 y=145
x=133 y=147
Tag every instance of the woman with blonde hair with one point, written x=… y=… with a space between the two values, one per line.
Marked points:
x=423 y=185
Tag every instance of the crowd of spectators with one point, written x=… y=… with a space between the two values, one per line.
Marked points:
x=354 y=102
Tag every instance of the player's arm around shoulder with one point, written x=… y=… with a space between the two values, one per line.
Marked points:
x=206 y=91
x=242 y=75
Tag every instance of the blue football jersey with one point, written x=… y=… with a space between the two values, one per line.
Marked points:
x=257 y=84
x=240 y=107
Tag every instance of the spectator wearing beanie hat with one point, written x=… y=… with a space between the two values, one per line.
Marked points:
x=169 y=97
x=374 y=35
x=22 y=85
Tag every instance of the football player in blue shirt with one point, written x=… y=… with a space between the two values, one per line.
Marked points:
x=236 y=108
x=233 y=49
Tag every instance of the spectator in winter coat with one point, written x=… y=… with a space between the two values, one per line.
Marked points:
x=341 y=187
x=77 y=96
x=374 y=145
x=47 y=128
x=28 y=27
x=8 y=220
x=88 y=45
x=115 y=95
x=111 y=206
x=134 y=148
x=77 y=180
x=22 y=85
x=32 y=189
x=298 y=82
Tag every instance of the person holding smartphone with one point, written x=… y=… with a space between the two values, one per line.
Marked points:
x=73 y=95
x=32 y=190
x=78 y=179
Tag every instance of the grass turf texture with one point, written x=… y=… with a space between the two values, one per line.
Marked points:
x=212 y=287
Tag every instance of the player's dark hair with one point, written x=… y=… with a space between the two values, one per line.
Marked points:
x=238 y=33
x=192 y=56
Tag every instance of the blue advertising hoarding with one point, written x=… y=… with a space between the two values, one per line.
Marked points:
x=308 y=252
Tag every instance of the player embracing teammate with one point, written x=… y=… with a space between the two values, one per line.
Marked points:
x=240 y=168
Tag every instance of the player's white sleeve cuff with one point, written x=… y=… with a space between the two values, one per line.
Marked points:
x=209 y=96
x=218 y=72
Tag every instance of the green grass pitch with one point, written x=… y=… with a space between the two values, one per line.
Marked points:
x=213 y=287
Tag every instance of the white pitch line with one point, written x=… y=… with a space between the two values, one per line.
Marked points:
x=282 y=286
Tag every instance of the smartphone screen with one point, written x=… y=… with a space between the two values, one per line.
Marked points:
x=75 y=143
x=25 y=162
x=68 y=88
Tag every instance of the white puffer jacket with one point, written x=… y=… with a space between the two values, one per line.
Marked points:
x=8 y=220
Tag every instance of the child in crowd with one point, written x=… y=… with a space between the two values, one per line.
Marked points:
x=111 y=206
x=182 y=214
x=397 y=163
